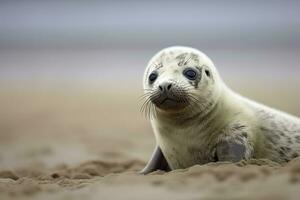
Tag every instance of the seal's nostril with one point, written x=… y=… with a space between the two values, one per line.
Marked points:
x=160 y=88
x=165 y=87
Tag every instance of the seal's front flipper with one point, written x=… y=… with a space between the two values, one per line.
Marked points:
x=233 y=150
x=157 y=162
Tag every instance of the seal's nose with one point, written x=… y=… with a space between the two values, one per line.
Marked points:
x=165 y=87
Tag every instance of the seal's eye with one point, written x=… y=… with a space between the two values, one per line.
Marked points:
x=189 y=73
x=152 y=77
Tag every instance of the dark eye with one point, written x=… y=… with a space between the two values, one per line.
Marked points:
x=152 y=77
x=189 y=73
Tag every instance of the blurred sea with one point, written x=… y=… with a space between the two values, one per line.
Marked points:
x=106 y=44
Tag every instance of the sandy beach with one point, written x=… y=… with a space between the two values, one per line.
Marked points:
x=87 y=144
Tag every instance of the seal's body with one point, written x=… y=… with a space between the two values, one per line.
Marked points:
x=197 y=119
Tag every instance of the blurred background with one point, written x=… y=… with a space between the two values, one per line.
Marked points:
x=71 y=71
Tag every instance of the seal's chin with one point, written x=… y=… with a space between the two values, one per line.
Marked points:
x=170 y=105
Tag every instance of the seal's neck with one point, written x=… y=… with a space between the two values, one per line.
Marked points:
x=215 y=116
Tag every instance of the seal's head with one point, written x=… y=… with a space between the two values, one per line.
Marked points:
x=178 y=77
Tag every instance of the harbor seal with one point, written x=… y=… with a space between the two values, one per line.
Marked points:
x=197 y=119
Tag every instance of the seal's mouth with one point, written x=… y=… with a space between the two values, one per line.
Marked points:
x=170 y=103
x=166 y=100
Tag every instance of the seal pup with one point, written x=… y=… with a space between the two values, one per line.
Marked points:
x=197 y=119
